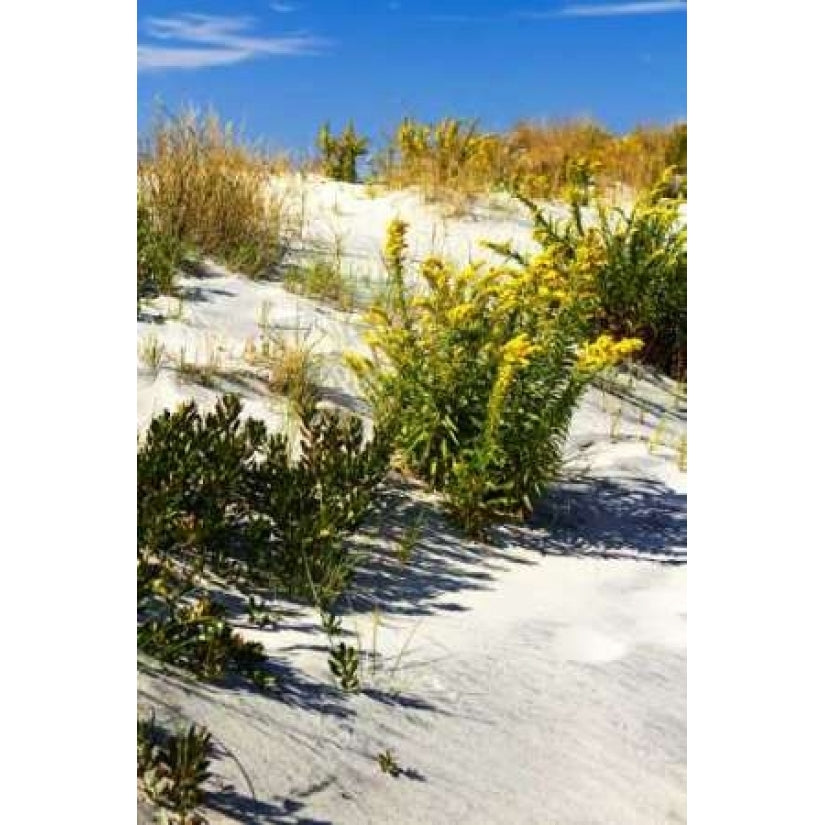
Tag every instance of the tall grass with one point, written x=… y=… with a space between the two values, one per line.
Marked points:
x=539 y=159
x=210 y=192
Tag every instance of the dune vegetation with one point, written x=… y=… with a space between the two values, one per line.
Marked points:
x=470 y=375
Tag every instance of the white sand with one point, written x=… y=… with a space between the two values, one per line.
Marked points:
x=541 y=680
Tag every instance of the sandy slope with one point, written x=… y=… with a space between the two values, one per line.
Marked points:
x=539 y=680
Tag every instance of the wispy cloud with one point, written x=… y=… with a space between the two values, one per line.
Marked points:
x=202 y=40
x=638 y=7
x=282 y=8
x=623 y=9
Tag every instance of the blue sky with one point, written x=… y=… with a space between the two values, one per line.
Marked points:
x=281 y=68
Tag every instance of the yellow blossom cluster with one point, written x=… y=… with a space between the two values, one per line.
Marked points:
x=395 y=245
x=517 y=351
x=606 y=352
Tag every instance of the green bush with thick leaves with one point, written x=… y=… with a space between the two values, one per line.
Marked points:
x=215 y=489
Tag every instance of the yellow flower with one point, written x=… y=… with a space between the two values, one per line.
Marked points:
x=458 y=314
x=605 y=352
x=434 y=272
x=396 y=244
x=517 y=351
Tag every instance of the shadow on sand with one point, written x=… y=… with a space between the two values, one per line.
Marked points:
x=597 y=517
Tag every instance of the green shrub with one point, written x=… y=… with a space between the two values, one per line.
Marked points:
x=173 y=768
x=179 y=625
x=477 y=377
x=216 y=489
x=339 y=155
x=343 y=664
x=158 y=257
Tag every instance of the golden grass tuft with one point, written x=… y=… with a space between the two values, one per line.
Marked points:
x=211 y=192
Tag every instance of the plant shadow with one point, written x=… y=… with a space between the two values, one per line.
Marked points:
x=242 y=808
x=607 y=518
x=443 y=561
x=610 y=518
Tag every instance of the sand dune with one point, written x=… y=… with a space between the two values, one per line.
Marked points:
x=538 y=680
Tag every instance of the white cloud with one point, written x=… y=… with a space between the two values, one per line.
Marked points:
x=282 y=8
x=155 y=57
x=208 y=40
x=622 y=9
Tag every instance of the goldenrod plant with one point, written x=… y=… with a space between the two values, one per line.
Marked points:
x=476 y=377
x=638 y=260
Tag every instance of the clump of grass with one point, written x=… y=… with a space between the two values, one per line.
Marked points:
x=207 y=190
x=324 y=281
x=453 y=158
x=554 y=156
x=293 y=370
x=681 y=453
x=657 y=436
x=615 y=423
x=151 y=352
x=409 y=540
x=205 y=372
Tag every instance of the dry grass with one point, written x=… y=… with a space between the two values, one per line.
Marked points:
x=553 y=155
x=293 y=370
x=211 y=192
x=151 y=352
x=452 y=160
